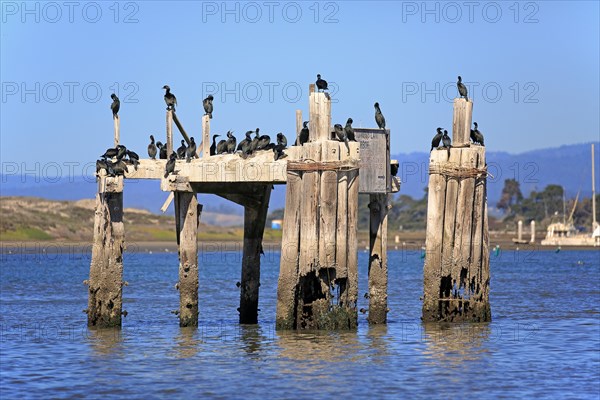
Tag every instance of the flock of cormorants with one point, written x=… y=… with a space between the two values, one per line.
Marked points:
x=249 y=145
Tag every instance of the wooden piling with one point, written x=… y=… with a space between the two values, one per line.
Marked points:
x=205 y=144
x=169 y=143
x=117 y=123
x=309 y=208
x=106 y=268
x=254 y=226
x=378 y=269
x=298 y=125
x=461 y=122
x=319 y=111
x=352 y=246
x=187 y=216
x=328 y=209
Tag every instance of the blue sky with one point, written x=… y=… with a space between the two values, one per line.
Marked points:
x=532 y=69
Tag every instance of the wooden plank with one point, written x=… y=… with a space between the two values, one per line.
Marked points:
x=378 y=272
x=290 y=248
x=254 y=226
x=352 y=258
x=328 y=206
x=205 y=145
x=436 y=200
x=461 y=122
x=309 y=209
x=167 y=202
x=169 y=132
x=188 y=258
x=181 y=130
x=117 y=123
x=476 y=266
x=298 y=126
x=341 y=234
x=174 y=183
x=450 y=218
x=374 y=160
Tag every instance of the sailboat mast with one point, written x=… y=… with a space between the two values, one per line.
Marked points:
x=594 y=223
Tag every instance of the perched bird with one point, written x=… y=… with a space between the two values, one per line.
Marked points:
x=350 y=130
x=152 y=148
x=244 y=145
x=222 y=146
x=121 y=151
x=213 y=146
x=117 y=168
x=208 y=105
x=435 y=142
x=115 y=106
x=110 y=153
x=280 y=146
x=191 y=150
x=170 y=98
x=394 y=169
x=476 y=136
x=462 y=89
x=101 y=164
x=379 y=117
x=231 y=142
x=254 y=142
x=170 y=167
x=162 y=154
x=303 y=137
x=263 y=141
x=341 y=135
x=133 y=158
x=281 y=140
x=181 y=150
x=321 y=83
x=446 y=141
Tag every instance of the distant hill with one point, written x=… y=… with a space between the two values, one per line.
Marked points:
x=568 y=165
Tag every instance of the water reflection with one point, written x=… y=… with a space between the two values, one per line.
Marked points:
x=106 y=341
x=379 y=343
x=453 y=345
x=187 y=342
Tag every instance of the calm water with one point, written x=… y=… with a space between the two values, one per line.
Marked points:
x=544 y=341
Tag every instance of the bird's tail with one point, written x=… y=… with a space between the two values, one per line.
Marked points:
x=448 y=152
x=166 y=174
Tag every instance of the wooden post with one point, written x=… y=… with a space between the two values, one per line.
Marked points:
x=461 y=122
x=205 y=145
x=532 y=232
x=169 y=143
x=352 y=246
x=117 y=123
x=188 y=209
x=520 y=231
x=319 y=109
x=328 y=208
x=378 y=271
x=106 y=268
x=298 y=125
x=254 y=227
x=341 y=235
x=309 y=208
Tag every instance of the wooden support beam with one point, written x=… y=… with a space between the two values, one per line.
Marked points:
x=352 y=259
x=106 y=268
x=450 y=209
x=169 y=143
x=328 y=206
x=117 y=123
x=181 y=130
x=188 y=216
x=309 y=208
x=378 y=270
x=254 y=226
x=341 y=234
x=243 y=200
x=298 y=125
x=205 y=145
x=461 y=122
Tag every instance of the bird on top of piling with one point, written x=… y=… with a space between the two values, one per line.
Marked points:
x=170 y=98
x=280 y=146
x=231 y=142
x=117 y=168
x=133 y=158
x=115 y=106
x=181 y=150
x=447 y=142
x=263 y=141
x=303 y=136
x=222 y=145
x=162 y=150
x=476 y=136
x=101 y=164
x=394 y=169
x=152 y=148
x=170 y=167
x=191 y=150
x=208 y=105
x=350 y=130
x=321 y=83
x=462 y=89
x=110 y=153
x=379 y=118
x=121 y=151
x=244 y=145
x=213 y=146
x=254 y=142
x=435 y=142
x=340 y=133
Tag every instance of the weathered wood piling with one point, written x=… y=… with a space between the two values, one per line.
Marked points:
x=456 y=271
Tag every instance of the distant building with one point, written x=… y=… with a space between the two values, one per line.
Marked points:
x=276 y=224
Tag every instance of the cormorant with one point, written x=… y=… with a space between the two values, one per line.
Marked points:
x=476 y=136
x=121 y=151
x=254 y=142
x=303 y=137
x=115 y=106
x=170 y=98
x=244 y=145
x=321 y=83
x=118 y=168
x=101 y=164
x=222 y=145
x=170 y=167
x=110 y=153
x=462 y=89
x=394 y=169
x=379 y=117
x=280 y=146
x=231 y=142
x=208 y=105
x=341 y=135
x=152 y=148
x=134 y=158
x=181 y=150
x=446 y=141
x=162 y=154
x=435 y=142
x=350 y=130
x=263 y=141
x=191 y=150
x=213 y=146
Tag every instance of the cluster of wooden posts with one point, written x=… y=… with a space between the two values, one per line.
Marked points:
x=318 y=280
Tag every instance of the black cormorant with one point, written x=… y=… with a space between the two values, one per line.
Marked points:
x=231 y=142
x=181 y=150
x=303 y=137
x=110 y=153
x=394 y=169
x=462 y=89
x=121 y=151
x=254 y=142
x=152 y=148
x=350 y=130
x=476 y=135
x=245 y=145
x=379 y=117
x=101 y=164
x=191 y=150
x=162 y=153
x=117 y=168
x=170 y=98
x=263 y=141
x=435 y=142
x=321 y=83
x=222 y=145
x=115 y=106
x=341 y=135
x=170 y=167
x=280 y=146
x=446 y=141
x=213 y=146
x=208 y=105
x=134 y=158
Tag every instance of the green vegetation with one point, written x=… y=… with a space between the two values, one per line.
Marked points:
x=22 y=234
